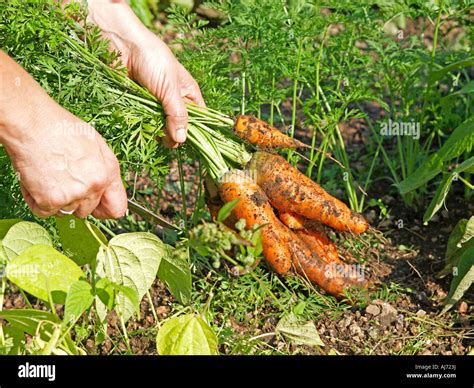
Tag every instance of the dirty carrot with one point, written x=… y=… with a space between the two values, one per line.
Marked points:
x=255 y=209
x=333 y=278
x=292 y=220
x=263 y=135
x=319 y=243
x=291 y=191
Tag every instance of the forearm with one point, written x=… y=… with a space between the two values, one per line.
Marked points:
x=22 y=101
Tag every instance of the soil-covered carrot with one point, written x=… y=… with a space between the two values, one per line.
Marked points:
x=334 y=278
x=291 y=191
x=255 y=209
x=263 y=135
x=319 y=243
x=292 y=220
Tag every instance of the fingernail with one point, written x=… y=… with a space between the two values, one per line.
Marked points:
x=180 y=135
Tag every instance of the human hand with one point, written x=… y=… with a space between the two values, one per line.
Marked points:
x=150 y=62
x=62 y=162
x=65 y=165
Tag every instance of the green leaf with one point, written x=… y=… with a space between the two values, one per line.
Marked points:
x=132 y=260
x=459 y=240
x=23 y=235
x=30 y=321
x=298 y=331
x=462 y=280
x=175 y=272
x=5 y=226
x=107 y=290
x=440 y=196
x=78 y=299
x=79 y=239
x=468 y=88
x=41 y=268
x=14 y=341
x=427 y=171
x=438 y=74
x=225 y=210
x=186 y=335
x=460 y=141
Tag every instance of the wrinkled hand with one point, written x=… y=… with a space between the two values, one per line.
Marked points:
x=151 y=63
x=65 y=164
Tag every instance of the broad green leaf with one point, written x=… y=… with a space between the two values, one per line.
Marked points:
x=462 y=279
x=468 y=88
x=79 y=239
x=186 y=335
x=14 y=341
x=460 y=239
x=41 y=268
x=132 y=260
x=298 y=331
x=443 y=189
x=23 y=235
x=29 y=321
x=438 y=74
x=5 y=226
x=226 y=209
x=427 y=171
x=78 y=299
x=460 y=141
x=106 y=290
x=175 y=272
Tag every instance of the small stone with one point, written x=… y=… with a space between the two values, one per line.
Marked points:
x=388 y=314
x=434 y=239
x=463 y=307
x=420 y=313
x=371 y=216
x=355 y=330
x=372 y=309
x=435 y=218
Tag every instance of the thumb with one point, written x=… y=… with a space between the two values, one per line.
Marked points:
x=176 y=116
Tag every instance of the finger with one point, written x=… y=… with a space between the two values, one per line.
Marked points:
x=194 y=95
x=37 y=211
x=87 y=206
x=176 y=116
x=113 y=203
x=70 y=208
x=168 y=142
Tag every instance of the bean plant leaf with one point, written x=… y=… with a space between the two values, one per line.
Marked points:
x=22 y=235
x=14 y=341
x=440 y=196
x=462 y=279
x=460 y=141
x=30 y=321
x=5 y=226
x=175 y=272
x=298 y=331
x=41 y=269
x=80 y=240
x=460 y=239
x=132 y=260
x=78 y=299
x=186 y=335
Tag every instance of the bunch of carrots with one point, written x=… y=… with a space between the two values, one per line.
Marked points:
x=291 y=209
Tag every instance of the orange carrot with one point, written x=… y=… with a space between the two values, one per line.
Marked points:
x=319 y=243
x=292 y=220
x=334 y=278
x=255 y=209
x=263 y=135
x=291 y=191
